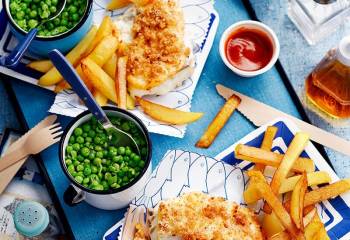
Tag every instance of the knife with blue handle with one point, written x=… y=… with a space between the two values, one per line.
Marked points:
x=259 y=114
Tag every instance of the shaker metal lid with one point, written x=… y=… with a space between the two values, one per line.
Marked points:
x=30 y=218
x=343 y=51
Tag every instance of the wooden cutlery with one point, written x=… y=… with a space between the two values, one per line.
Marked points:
x=8 y=173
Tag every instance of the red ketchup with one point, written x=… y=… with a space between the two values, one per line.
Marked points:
x=249 y=49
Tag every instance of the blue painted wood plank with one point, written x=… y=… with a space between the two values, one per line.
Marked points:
x=8 y=118
x=90 y=223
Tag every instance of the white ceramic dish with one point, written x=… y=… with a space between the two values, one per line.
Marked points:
x=182 y=171
x=250 y=25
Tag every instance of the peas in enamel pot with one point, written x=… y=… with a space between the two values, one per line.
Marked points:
x=30 y=14
x=100 y=165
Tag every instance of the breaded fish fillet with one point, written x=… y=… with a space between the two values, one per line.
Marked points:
x=158 y=51
x=197 y=216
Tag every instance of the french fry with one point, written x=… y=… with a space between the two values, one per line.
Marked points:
x=106 y=28
x=313 y=179
x=297 y=201
x=140 y=3
x=120 y=84
x=104 y=50
x=327 y=192
x=219 y=122
x=271 y=225
x=313 y=228
x=130 y=102
x=309 y=217
x=42 y=66
x=84 y=77
x=100 y=98
x=117 y=4
x=123 y=49
x=63 y=85
x=290 y=157
x=74 y=56
x=167 y=115
x=257 y=155
x=110 y=67
x=280 y=236
x=251 y=194
x=270 y=134
x=267 y=194
x=99 y=79
x=324 y=193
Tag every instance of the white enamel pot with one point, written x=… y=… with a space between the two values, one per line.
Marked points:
x=111 y=199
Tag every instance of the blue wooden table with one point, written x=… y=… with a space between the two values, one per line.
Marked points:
x=86 y=222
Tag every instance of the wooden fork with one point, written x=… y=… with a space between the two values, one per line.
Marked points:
x=35 y=143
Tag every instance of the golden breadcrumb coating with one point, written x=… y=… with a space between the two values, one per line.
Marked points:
x=140 y=233
x=157 y=51
x=197 y=216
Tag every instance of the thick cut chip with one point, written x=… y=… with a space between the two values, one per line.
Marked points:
x=99 y=79
x=100 y=98
x=270 y=134
x=219 y=122
x=297 y=201
x=110 y=67
x=42 y=66
x=120 y=84
x=167 y=115
x=257 y=155
x=117 y=4
x=313 y=179
x=74 y=57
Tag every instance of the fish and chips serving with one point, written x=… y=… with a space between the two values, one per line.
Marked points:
x=123 y=60
x=285 y=207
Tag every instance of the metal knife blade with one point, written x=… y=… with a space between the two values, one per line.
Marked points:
x=259 y=114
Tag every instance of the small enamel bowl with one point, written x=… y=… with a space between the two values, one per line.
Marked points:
x=42 y=45
x=254 y=25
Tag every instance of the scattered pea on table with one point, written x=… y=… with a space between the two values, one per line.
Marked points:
x=95 y=163
x=30 y=14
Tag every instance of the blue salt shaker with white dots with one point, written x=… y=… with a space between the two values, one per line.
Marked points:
x=31 y=219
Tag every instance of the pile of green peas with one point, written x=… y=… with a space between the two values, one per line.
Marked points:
x=29 y=14
x=94 y=162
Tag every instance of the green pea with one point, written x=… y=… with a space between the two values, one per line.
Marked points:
x=121 y=150
x=80 y=139
x=33 y=13
x=87 y=171
x=64 y=22
x=68 y=162
x=75 y=17
x=81 y=174
x=125 y=127
x=71 y=168
x=92 y=155
x=20 y=15
x=115 y=185
x=79 y=179
x=69 y=149
x=73 y=154
x=97 y=140
x=104 y=161
x=53 y=9
x=94 y=169
x=76 y=146
x=76 y=163
x=112 y=180
x=86 y=180
x=128 y=152
x=136 y=158
x=97 y=161
x=141 y=164
x=80 y=168
x=85 y=151
x=54 y=2
x=56 y=21
x=78 y=131
x=92 y=133
x=98 y=187
x=105 y=185
x=80 y=158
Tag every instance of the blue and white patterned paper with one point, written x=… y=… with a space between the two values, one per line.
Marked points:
x=181 y=171
x=201 y=22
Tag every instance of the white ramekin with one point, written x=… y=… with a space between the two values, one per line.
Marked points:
x=250 y=25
